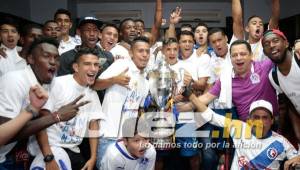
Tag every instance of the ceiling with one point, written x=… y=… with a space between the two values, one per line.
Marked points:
x=124 y=1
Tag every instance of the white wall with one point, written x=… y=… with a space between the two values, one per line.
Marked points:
x=148 y=9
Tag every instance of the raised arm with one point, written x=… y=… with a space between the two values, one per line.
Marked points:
x=175 y=17
x=237 y=16
x=274 y=20
x=155 y=30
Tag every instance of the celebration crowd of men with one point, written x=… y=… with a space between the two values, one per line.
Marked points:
x=81 y=102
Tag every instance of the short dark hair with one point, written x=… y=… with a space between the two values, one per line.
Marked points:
x=215 y=30
x=28 y=27
x=201 y=24
x=84 y=51
x=123 y=22
x=139 y=39
x=239 y=42
x=42 y=40
x=49 y=21
x=139 y=20
x=187 y=25
x=110 y=25
x=169 y=40
x=62 y=11
x=253 y=16
x=185 y=32
x=10 y=21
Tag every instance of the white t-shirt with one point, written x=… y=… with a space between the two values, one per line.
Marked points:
x=118 y=157
x=183 y=117
x=70 y=134
x=120 y=101
x=289 y=84
x=12 y=61
x=120 y=52
x=65 y=46
x=252 y=152
x=14 y=91
x=256 y=48
x=198 y=67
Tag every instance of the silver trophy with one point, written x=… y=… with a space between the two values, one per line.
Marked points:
x=162 y=85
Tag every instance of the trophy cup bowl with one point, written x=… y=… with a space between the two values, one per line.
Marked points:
x=161 y=88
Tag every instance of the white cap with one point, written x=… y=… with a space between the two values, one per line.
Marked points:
x=261 y=104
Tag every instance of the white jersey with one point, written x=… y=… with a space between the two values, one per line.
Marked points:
x=12 y=61
x=14 y=90
x=198 y=67
x=118 y=157
x=70 y=134
x=252 y=152
x=120 y=101
x=120 y=52
x=289 y=84
x=65 y=46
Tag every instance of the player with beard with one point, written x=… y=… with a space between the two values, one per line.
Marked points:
x=128 y=33
x=254 y=27
x=43 y=62
x=67 y=136
x=285 y=75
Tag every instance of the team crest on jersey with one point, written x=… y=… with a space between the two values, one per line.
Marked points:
x=144 y=161
x=272 y=153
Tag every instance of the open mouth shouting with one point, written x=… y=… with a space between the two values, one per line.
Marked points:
x=91 y=78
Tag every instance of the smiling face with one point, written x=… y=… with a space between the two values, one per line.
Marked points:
x=255 y=28
x=44 y=62
x=171 y=51
x=9 y=35
x=140 y=54
x=89 y=35
x=109 y=37
x=200 y=35
x=86 y=69
x=136 y=145
x=275 y=47
x=241 y=59
x=186 y=44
